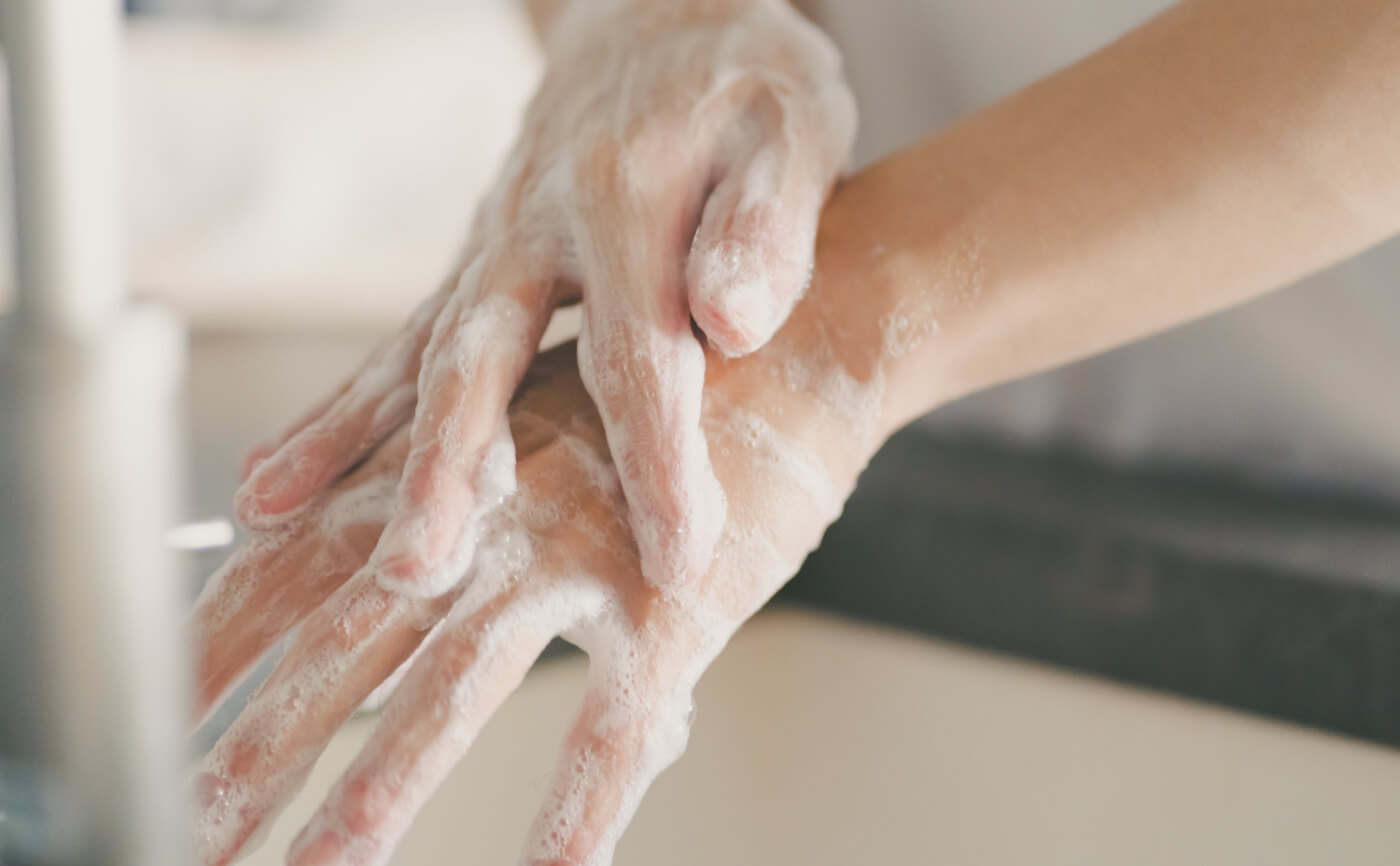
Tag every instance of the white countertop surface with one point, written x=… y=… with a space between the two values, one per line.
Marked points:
x=818 y=741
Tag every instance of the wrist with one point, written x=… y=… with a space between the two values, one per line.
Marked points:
x=900 y=274
x=873 y=343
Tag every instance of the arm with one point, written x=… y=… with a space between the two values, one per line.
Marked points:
x=1028 y=240
x=1222 y=150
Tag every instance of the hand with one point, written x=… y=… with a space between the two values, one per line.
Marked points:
x=789 y=429
x=672 y=166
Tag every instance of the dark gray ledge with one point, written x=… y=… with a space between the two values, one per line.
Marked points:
x=1279 y=602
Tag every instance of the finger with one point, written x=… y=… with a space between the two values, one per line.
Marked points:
x=619 y=744
x=751 y=257
x=263 y=450
x=647 y=386
x=457 y=684
x=276 y=579
x=376 y=402
x=461 y=462
x=347 y=647
x=258 y=596
x=645 y=372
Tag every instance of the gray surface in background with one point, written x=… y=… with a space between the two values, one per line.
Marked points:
x=1280 y=601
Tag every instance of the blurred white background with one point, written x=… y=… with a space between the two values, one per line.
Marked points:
x=317 y=173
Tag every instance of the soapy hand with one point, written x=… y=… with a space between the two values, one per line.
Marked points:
x=671 y=167
x=789 y=431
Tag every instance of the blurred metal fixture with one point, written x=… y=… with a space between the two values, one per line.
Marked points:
x=91 y=721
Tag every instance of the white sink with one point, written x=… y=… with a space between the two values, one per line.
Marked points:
x=818 y=741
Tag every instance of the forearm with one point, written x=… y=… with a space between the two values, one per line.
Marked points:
x=544 y=13
x=1224 y=149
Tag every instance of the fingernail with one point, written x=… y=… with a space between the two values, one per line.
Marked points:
x=272 y=494
x=418 y=557
x=737 y=307
x=247 y=508
x=253 y=459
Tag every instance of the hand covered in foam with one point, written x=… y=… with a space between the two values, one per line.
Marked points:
x=672 y=166
x=789 y=430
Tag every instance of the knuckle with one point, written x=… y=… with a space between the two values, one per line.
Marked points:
x=666 y=733
x=607 y=163
x=598 y=165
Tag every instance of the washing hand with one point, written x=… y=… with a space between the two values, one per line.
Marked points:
x=789 y=429
x=671 y=166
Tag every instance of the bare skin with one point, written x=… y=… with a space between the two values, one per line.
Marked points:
x=581 y=578
x=671 y=167
x=1223 y=149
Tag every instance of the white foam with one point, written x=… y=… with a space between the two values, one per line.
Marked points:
x=495 y=481
x=612 y=356
x=228 y=589
x=902 y=332
x=369 y=503
x=644 y=673
x=389 y=367
x=333 y=642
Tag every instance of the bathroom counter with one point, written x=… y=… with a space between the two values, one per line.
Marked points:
x=821 y=741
